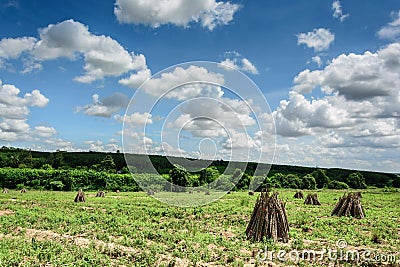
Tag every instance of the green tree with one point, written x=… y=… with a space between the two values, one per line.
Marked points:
x=56 y=185
x=208 y=175
x=25 y=157
x=37 y=163
x=193 y=180
x=5 y=161
x=264 y=183
x=320 y=178
x=356 y=180
x=107 y=164
x=179 y=176
x=396 y=182
x=56 y=159
x=46 y=167
x=309 y=182
x=21 y=158
x=14 y=160
x=125 y=170
x=244 y=181
x=292 y=181
x=278 y=179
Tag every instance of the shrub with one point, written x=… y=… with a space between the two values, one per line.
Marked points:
x=308 y=182
x=180 y=177
x=56 y=185
x=337 y=185
x=396 y=182
x=356 y=180
x=35 y=183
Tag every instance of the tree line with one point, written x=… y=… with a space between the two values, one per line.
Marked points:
x=62 y=170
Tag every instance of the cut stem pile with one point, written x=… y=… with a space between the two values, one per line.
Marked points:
x=312 y=199
x=269 y=219
x=80 y=197
x=349 y=205
x=299 y=194
x=100 y=194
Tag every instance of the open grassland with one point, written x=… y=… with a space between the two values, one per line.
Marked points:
x=43 y=228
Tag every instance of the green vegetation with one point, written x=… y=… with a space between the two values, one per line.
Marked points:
x=133 y=229
x=44 y=225
x=70 y=179
x=91 y=171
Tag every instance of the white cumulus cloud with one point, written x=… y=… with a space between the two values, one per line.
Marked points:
x=392 y=30
x=204 y=117
x=155 y=13
x=185 y=83
x=103 y=56
x=136 y=79
x=356 y=76
x=14 y=47
x=105 y=107
x=359 y=106
x=135 y=119
x=319 y=39
x=236 y=61
x=45 y=131
x=14 y=110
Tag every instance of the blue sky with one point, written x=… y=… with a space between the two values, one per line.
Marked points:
x=328 y=69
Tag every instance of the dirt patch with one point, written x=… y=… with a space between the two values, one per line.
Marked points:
x=228 y=234
x=105 y=247
x=6 y=212
x=172 y=261
x=80 y=241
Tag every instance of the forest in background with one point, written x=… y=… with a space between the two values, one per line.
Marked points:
x=62 y=170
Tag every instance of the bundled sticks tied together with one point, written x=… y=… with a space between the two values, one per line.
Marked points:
x=349 y=205
x=312 y=199
x=80 y=197
x=269 y=219
x=100 y=194
x=299 y=194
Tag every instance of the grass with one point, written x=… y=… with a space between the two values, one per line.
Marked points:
x=133 y=229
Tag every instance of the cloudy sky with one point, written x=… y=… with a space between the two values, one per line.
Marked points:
x=329 y=70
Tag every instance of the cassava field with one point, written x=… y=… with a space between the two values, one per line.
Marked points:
x=46 y=228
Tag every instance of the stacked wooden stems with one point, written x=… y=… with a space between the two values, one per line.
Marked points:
x=269 y=219
x=349 y=205
x=312 y=199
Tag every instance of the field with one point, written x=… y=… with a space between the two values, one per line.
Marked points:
x=46 y=228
